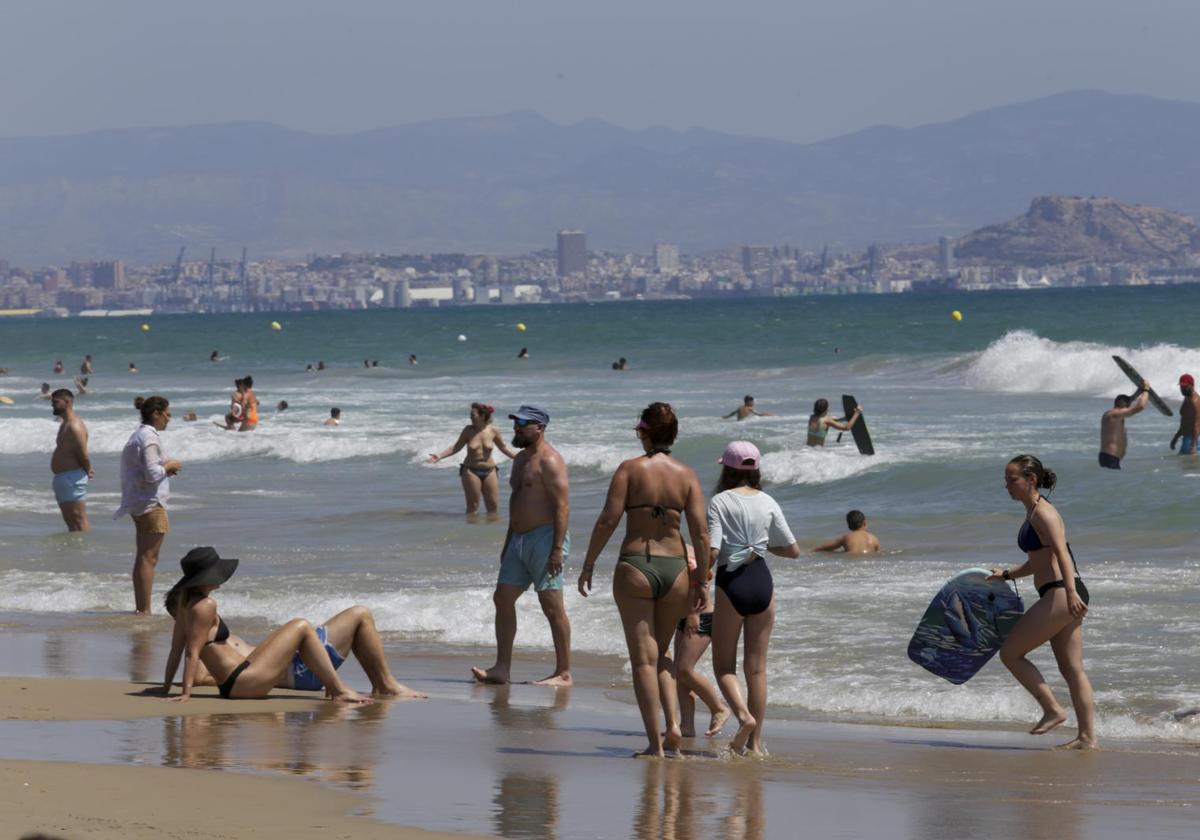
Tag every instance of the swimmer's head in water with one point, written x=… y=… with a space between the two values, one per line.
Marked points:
x=820 y=407
x=483 y=410
x=747 y=400
x=283 y=405
x=856 y=520
x=1029 y=467
x=335 y=413
x=658 y=425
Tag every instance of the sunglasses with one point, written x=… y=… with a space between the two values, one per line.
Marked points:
x=523 y=423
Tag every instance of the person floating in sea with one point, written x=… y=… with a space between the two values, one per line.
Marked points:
x=366 y=363
x=249 y=406
x=1057 y=616
x=619 y=364
x=320 y=365
x=215 y=357
x=46 y=391
x=310 y=368
x=85 y=367
x=70 y=463
x=132 y=368
x=296 y=655
x=281 y=406
x=652 y=584
x=58 y=366
x=536 y=546
x=412 y=358
x=478 y=472
x=1113 y=440
x=81 y=385
x=747 y=409
x=819 y=423
x=145 y=489
x=745 y=524
x=524 y=353
x=334 y=418
x=1189 y=417
x=858 y=540
x=189 y=416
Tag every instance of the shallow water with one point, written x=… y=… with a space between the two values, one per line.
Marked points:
x=323 y=518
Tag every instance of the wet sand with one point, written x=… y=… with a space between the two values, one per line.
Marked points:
x=517 y=761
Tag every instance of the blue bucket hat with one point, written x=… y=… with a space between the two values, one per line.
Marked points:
x=532 y=414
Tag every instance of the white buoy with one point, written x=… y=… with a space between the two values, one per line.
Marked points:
x=462 y=337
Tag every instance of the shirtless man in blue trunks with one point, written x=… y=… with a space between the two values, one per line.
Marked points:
x=535 y=548
x=1189 y=417
x=70 y=463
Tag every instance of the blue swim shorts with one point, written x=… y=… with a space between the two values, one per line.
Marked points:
x=1184 y=445
x=526 y=559
x=302 y=679
x=71 y=486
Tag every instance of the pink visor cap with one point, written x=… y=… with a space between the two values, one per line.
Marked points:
x=740 y=455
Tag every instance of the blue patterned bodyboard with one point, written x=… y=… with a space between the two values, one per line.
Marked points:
x=965 y=624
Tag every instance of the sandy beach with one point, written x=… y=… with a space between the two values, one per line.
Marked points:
x=85 y=757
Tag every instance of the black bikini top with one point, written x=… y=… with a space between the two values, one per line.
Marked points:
x=1029 y=541
x=222 y=633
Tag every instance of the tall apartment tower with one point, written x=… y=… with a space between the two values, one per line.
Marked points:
x=572 y=252
x=109 y=275
x=946 y=255
x=666 y=256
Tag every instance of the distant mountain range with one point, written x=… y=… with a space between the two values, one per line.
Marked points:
x=505 y=184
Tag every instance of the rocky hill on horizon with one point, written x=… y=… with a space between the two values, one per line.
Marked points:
x=505 y=184
x=1059 y=230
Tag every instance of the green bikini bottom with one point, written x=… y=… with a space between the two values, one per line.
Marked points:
x=660 y=571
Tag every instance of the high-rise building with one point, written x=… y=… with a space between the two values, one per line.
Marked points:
x=666 y=256
x=946 y=255
x=572 y=252
x=755 y=257
x=109 y=275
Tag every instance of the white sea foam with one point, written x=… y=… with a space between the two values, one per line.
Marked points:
x=1022 y=362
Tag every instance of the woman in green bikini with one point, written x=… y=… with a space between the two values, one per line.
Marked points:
x=652 y=585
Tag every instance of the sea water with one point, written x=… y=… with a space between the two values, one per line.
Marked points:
x=325 y=517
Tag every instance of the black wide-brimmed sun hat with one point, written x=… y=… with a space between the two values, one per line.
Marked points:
x=204 y=567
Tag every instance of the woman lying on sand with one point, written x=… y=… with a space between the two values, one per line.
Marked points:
x=296 y=655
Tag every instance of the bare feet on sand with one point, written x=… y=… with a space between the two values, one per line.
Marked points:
x=744 y=731
x=352 y=697
x=672 y=740
x=1080 y=743
x=718 y=720
x=1048 y=722
x=492 y=676
x=395 y=690
x=560 y=680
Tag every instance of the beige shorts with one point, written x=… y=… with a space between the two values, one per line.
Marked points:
x=153 y=521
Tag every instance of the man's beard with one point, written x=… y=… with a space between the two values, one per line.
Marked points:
x=518 y=441
x=58 y=412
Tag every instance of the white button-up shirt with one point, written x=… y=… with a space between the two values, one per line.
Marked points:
x=144 y=481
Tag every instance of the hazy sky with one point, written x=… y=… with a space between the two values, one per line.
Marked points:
x=792 y=69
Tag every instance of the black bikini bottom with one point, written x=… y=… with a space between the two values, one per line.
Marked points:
x=226 y=688
x=1058 y=584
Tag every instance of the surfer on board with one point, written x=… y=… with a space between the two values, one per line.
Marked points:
x=1113 y=440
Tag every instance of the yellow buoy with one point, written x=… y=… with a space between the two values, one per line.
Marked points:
x=956 y=315
x=520 y=327
x=275 y=325
x=145 y=328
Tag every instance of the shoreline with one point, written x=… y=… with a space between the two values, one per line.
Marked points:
x=526 y=761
